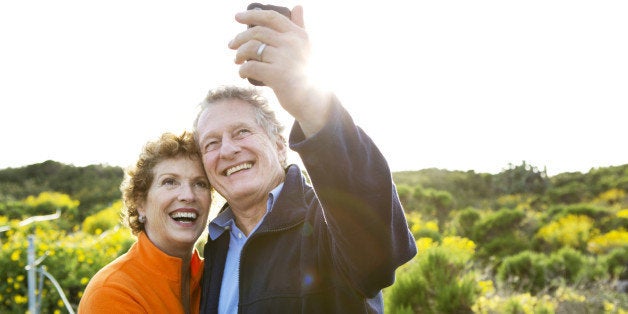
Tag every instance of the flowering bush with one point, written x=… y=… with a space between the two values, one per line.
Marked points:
x=103 y=220
x=71 y=259
x=571 y=230
x=438 y=280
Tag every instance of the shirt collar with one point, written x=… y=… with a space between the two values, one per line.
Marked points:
x=226 y=219
x=272 y=197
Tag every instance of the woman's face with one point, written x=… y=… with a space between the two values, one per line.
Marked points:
x=177 y=205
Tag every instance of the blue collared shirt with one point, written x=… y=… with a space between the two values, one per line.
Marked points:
x=229 y=290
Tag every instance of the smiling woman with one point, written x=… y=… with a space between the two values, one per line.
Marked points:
x=167 y=198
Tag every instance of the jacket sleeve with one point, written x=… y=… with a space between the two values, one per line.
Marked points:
x=362 y=212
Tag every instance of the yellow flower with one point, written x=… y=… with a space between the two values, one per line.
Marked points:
x=608 y=307
x=20 y=299
x=15 y=255
x=486 y=286
x=424 y=243
x=84 y=280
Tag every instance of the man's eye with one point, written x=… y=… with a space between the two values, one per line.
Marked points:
x=242 y=133
x=212 y=145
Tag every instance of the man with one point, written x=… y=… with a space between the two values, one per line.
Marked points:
x=279 y=245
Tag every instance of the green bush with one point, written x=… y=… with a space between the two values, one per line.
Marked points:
x=71 y=259
x=525 y=271
x=465 y=220
x=495 y=250
x=567 y=264
x=616 y=262
x=438 y=280
x=103 y=220
x=427 y=233
x=497 y=224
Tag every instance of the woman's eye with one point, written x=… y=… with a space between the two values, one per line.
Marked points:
x=168 y=182
x=202 y=184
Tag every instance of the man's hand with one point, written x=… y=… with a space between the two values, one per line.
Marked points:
x=282 y=64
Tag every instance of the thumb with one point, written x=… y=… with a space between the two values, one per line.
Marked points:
x=296 y=16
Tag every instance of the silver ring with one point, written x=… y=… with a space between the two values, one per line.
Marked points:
x=260 y=50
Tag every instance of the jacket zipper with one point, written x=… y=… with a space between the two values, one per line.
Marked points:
x=255 y=235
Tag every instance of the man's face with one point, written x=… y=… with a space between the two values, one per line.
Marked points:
x=242 y=162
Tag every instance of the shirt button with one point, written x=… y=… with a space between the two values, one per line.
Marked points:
x=239 y=235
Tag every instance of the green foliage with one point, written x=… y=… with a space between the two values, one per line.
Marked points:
x=498 y=235
x=616 y=262
x=433 y=203
x=494 y=250
x=535 y=272
x=465 y=220
x=71 y=259
x=94 y=186
x=571 y=230
x=469 y=188
x=592 y=211
x=438 y=280
x=576 y=187
x=497 y=224
x=567 y=264
x=503 y=214
x=569 y=193
x=103 y=220
x=522 y=179
x=524 y=271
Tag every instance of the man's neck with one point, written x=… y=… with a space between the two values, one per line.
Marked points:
x=247 y=217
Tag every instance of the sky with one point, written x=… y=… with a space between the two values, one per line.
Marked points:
x=457 y=85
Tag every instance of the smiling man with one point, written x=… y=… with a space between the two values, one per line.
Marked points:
x=280 y=245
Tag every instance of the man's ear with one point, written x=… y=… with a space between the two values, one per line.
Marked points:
x=282 y=149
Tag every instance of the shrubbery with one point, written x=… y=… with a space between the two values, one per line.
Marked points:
x=72 y=258
x=437 y=281
x=539 y=246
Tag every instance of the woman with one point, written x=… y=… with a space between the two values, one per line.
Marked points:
x=166 y=199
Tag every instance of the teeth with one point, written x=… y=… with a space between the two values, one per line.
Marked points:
x=238 y=168
x=184 y=215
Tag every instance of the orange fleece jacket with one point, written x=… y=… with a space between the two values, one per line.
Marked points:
x=143 y=280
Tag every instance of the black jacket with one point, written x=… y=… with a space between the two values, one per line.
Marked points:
x=331 y=249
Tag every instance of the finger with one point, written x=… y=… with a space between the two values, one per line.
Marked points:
x=257 y=33
x=267 y=18
x=297 y=16
x=248 y=51
x=253 y=70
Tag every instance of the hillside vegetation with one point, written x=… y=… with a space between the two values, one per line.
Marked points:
x=518 y=241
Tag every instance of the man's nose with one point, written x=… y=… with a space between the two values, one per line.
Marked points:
x=229 y=147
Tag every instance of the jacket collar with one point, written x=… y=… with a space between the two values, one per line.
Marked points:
x=290 y=207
